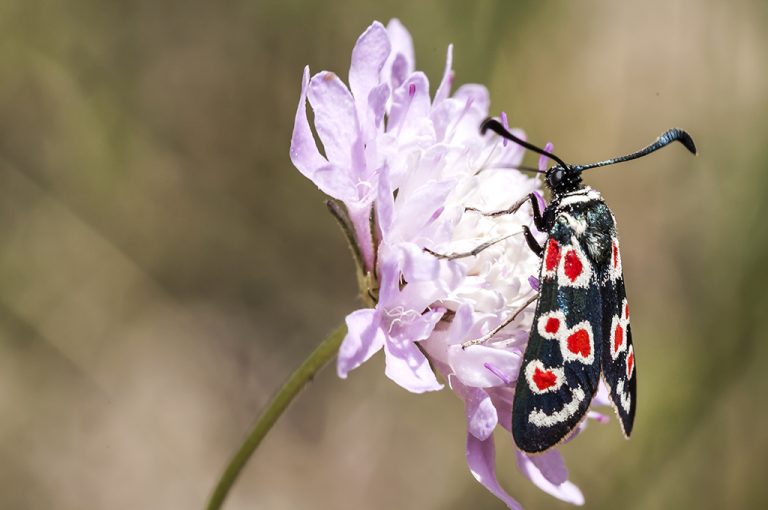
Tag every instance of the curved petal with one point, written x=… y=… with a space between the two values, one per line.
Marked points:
x=335 y=182
x=544 y=160
x=410 y=102
x=482 y=366
x=444 y=89
x=551 y=465
x=377 y=102
x=368 y=57
x=481 y=413
x=566 y=491
x=402 y=61
x=335 y=118
x=478 y=94
x=408 y=367
x=481 y=459
x=364 y=339
x=304 y=153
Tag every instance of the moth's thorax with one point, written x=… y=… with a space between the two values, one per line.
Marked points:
x=567 y=201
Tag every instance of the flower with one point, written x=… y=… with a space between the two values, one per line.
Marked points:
x=407 y=166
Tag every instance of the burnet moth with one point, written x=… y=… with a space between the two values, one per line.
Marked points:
x=581 y=324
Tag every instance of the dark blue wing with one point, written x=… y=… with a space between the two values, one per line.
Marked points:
x=561 y=366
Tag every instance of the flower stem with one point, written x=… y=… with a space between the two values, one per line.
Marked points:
x=284 y=396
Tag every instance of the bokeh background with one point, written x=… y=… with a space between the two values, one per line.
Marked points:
x=163 y=266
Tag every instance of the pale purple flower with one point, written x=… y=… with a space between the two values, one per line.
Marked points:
x=414 y=162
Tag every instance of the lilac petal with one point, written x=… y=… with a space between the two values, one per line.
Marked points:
x=544 y=160
x=304 y=153
x=385 y=203
x=421 y=328
x=414 y=215
x=335 y=182
x=335 y=118
x=444 y=89
x=418 y=265
x=461 y=323
x=602 y=396
x=360 y=216
x=505 y=123
x=566 y=491
x=469 y=364
x=410 y=101
x=399 y=71
x=551 y=465
x=481 y=459
x=389 y=278
x=533 y=282
x=514 y=154
x=368 y=57
x=481 y=414
x=598 y=417
x=401 y=62
x=408 y=367
x=377 y=102
x=364 y=339
x=478 y=94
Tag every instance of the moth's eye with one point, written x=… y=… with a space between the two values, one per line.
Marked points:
x=555 y=177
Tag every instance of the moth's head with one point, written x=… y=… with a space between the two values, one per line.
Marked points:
x=563 y=179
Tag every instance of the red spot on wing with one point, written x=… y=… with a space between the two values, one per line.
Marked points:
x=630 y=363
x=552 y=325
x=626 y=311
x=553 y=255
x=578 y=343
x=573 y=265
x=615 y=255
x=544 y=379
x=618 y=338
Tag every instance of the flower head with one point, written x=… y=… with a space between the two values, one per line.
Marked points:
x=407 y=165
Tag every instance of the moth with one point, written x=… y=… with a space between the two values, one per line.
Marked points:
x=581 y=327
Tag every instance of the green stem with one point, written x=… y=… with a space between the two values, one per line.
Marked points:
x=284 y=396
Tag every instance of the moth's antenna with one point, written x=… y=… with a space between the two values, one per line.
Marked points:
x=672 y=135
x=522 y=168
x=496 y=126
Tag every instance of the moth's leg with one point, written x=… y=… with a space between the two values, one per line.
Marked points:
x=501 y=326
x=538 y=219
x=474 y=251
x=533 y=244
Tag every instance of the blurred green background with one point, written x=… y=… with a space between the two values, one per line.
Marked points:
x=163 y=266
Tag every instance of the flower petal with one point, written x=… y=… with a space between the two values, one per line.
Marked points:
x=444 y=89
x=401 y=62
x=481 y=459
x=335 y=119
x=368 y=57
x=566 y=491
x=544 y=160
x=408 y=367
x=364 y=339
x=478 y=94
x=469 y=364
x=304 y=153
x=410 y=103
x=481 y=413
x=551 y=465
